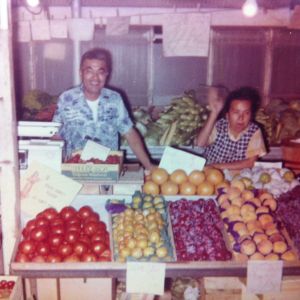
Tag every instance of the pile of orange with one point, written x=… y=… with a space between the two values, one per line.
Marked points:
x=179 y=182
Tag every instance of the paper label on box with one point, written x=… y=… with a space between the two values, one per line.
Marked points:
x=94 y=150
x=40 y=30
x=145 y=278
x=59 y=29
x=264 y=276
x=23 y=31
x=42 y=187
x=173 y=159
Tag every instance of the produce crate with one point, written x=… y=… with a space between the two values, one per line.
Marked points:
x=94 y=172
x=234 y=288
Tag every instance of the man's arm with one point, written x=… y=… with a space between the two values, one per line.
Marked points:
x=136 y=144
x=237 y=165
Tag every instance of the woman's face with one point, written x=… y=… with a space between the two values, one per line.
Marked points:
x=239 y=115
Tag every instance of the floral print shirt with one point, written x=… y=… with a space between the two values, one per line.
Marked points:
x=78 y=124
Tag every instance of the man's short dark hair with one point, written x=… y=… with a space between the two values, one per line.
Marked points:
x=245 y=93
x=99 y=54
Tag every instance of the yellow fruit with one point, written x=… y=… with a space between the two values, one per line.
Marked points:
x=151 y=187
x=214 y=176
x=205 y=189
x=169 y=188
x=159 y=175
x=178 y=176
x=265 y=178
x=196 y=177
x=288 y=176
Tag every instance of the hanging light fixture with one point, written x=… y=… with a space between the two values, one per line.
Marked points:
x=33 y=3
x=250 y=8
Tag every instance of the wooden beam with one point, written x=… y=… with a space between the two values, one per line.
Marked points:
x=9 y=176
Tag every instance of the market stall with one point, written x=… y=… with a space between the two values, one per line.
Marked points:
x=227 y=231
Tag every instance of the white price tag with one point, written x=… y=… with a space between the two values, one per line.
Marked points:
x=94 y=150
x=145 y=278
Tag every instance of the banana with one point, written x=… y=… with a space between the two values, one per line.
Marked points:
x=171 y=133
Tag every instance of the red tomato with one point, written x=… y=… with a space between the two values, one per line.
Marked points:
x=41 y=221
x=39 y=234
x=89 y=257
x=3 y=284
x=65 y=250
x=106 y=253
x=72 y=258
x=10 y=284
x=27 y=247
x=49 y=213
x=98 y=247
x=22 y=258
x=57 y=221
x=99 y=236
x=102 y=226
x=85 y=212
x=42 y=248
x=80 y=248
x=67 y=212
x=53 y=258
x=72 y=236
x=90 y=228
x=58 y=229
x=84 y=238
x=55 y=240
x=38 y=259
x=29 y=226
x=73 y=227
x=94 y=217
x=73 y=220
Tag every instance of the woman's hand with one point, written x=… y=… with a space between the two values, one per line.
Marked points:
x=216 y=103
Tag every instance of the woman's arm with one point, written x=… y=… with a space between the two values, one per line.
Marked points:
x=237 y=165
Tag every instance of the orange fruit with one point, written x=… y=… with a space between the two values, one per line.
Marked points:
x=169 y=188
x=205 y=189
x=178 y=176
x=151 y=187
x=187 y=188
x=196 y=177
x=159 y=175
x=214 y=176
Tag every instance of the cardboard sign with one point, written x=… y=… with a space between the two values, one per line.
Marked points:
x=264 y=276
x=145 y=278
x=42 y=187
x=94 y=150
x=268 y=165
x=173 y=159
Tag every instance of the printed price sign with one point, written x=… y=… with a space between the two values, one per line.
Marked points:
x=264 y=276
x=94 y=150
x=173 y=159
x=145 y=278
x=42 y=187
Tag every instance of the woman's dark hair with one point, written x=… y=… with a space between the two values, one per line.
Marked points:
x=99 y=54
x=245 y=93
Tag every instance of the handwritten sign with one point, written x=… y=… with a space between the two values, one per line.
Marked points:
x=173 y=159
x=145 y=278
x=94 y=150
x=42 y=187
x=266 y=164
x=264 y=276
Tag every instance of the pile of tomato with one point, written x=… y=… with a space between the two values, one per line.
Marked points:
x=67 y=236
x=6 y=287
x=111 y=159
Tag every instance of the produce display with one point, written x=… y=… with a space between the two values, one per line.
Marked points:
x=198 y=182
x=276 y=180
x=198 y=231
x=6 y=287
x=140 y=232
x=65 y=236
x=176 y=124
x=111 y=159
x=289 y=211
x=253 y=230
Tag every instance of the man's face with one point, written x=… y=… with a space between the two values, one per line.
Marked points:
x=93 y=73
x=239 y=115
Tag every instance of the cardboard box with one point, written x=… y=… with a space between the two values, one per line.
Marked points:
x=94 y=172
x=16 y=293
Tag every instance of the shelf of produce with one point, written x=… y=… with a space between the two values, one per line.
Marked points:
x=118 y=270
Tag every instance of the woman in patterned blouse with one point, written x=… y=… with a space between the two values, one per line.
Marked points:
x=234 y=141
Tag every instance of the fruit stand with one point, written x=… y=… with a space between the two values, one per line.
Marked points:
x=58 y=277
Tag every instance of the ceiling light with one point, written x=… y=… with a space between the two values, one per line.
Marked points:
x=33 y=3
x=250 y=8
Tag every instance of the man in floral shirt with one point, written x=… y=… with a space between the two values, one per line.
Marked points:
x=91 y=111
